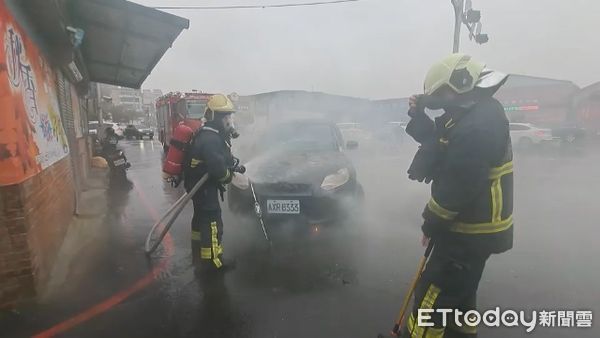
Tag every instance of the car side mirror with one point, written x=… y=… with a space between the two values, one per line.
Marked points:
x=350 y=145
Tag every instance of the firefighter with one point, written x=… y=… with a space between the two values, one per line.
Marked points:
x=467 y=155
x=210 y=152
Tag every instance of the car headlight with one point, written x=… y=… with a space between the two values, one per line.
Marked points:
x=240 y=181
x=336 y=180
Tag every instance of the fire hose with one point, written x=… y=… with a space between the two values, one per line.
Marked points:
x=173 y=211
x=176 y=209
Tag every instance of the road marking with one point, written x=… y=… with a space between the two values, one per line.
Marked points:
x=120 y=296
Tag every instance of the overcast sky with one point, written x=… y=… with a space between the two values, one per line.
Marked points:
x=371 y=48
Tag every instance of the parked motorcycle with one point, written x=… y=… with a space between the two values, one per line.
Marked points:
x=117 y=162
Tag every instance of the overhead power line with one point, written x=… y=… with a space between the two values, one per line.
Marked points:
x=319 y=3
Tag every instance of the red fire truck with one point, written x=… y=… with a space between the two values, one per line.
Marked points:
x=174 y=108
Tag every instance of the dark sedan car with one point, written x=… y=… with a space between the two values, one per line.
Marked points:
x=131 y=131
x=299 y=171
x=147 y=132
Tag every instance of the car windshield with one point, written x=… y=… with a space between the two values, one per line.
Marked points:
x=196 y=109
x=300 y=137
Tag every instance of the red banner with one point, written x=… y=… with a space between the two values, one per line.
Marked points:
x=32 y=137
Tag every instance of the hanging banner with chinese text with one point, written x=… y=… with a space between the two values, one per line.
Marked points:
x=32 y=137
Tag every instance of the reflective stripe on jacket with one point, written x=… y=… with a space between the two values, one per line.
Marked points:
x=472 y=190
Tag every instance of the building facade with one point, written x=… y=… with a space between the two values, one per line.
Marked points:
x=149 y=97
x=586 y=109
x=46 y=94
x=130 y=99
x=541 y=101
x=44 y=157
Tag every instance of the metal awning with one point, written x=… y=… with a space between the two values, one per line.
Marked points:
x=123 y=41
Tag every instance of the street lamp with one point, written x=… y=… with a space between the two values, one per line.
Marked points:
x=472 y=16
x=465 y=14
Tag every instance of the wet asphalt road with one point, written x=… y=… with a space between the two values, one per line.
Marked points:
x=346 y=281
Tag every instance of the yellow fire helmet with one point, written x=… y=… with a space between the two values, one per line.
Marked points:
x=457 y=71
x=218 y=104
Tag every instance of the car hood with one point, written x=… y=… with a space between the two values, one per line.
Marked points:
x=306 y=168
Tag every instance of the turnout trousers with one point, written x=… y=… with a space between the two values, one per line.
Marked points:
x=206 y=236
x=449 y=281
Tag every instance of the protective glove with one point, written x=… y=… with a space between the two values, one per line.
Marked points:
x=416 y=105
x=435 y=102
x=424 y=164
x=420 y=127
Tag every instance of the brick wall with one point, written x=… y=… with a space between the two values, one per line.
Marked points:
x=34 y=217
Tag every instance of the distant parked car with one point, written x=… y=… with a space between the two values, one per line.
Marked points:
x=352 y=131
x=569 y=134
x=131 y=131
x=526 y=135
x=144 y=131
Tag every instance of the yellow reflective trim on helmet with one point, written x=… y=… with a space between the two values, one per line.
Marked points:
x=482 y=228
x=440 y=211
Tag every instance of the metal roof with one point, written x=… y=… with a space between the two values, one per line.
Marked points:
x=519 y=80
x=591 y=92
x=123 y=41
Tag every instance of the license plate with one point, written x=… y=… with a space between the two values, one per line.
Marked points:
x=119 y=162
x=283 y=206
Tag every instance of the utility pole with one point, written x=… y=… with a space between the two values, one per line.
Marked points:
x=465 y=14
x=458 y=10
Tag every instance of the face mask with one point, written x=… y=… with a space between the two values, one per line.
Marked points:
x=228 y=125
